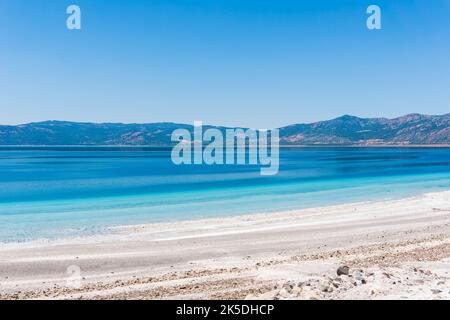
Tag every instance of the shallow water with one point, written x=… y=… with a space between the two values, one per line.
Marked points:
x=66 y=192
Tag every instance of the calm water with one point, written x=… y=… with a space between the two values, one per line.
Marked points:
x=65 y=192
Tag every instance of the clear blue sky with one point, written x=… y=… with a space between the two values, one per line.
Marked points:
x=258 y=63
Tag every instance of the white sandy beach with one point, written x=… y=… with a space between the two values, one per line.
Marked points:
x=394 y=249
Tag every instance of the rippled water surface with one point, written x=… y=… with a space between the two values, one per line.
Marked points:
x=65 y=192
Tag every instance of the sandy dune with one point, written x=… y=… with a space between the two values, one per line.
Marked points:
x=394 y=249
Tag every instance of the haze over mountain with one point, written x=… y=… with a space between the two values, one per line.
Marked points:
x=345 y=130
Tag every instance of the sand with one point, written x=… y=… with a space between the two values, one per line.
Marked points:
x=396 y=249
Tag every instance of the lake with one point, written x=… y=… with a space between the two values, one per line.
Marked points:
x=58 y=192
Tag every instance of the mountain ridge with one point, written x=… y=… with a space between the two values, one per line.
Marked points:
x=410 y=129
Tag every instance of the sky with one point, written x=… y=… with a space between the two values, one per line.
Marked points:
x=252 y=63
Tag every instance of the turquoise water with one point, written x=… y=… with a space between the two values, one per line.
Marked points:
x=65 y=192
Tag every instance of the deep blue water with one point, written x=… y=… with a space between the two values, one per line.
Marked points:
x=65 y=192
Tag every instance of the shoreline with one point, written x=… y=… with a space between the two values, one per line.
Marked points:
x=245 y=256
x=232 y=224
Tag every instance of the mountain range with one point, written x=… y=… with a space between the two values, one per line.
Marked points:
x=412 y=129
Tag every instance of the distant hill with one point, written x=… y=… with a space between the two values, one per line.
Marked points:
x=345 y=130
x=409 y=129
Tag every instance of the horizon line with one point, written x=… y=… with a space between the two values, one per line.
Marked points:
x=213 y=125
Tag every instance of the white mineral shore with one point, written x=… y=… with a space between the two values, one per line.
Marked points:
x=396 y=249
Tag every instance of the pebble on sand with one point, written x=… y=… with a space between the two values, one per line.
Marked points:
x=343 y=270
